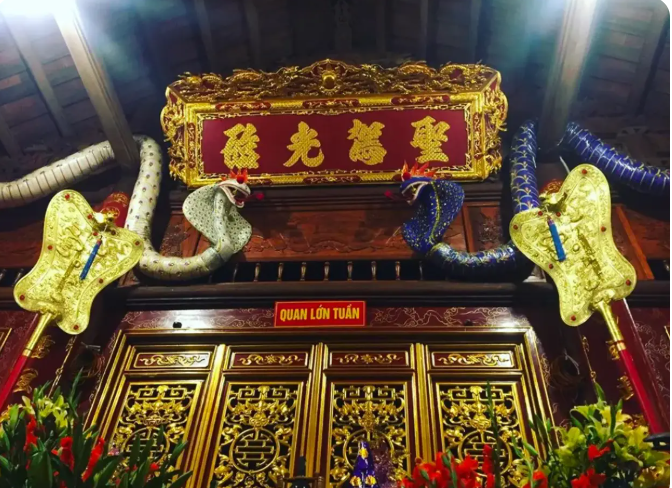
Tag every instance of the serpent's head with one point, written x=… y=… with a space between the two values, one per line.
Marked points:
x=414 y=180
x=235 y=188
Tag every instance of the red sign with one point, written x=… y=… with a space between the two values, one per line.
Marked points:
x=377 y=141
x=320 y=314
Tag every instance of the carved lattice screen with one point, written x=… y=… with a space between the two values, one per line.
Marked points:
x=249 y=410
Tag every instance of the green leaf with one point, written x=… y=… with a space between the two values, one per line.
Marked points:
x=181 y=481
x=141 y=474
x=40 y=473
x=176 y=453
x=530 y=449
x=599 y=392
x=135 y=451
x=446 y=461
x=4 y=465
x=105 y=469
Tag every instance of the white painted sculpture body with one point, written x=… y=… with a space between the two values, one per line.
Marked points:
x=66 y=172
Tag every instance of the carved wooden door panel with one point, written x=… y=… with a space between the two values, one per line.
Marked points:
x=250 y=410
x=262 y=414
x=458 y=375
x=158 y=387
x=369 y=393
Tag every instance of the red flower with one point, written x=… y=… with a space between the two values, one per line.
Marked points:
x=466 y=472
x=488 y=467
x=490 y=481
x=153 y=467
x=31 y=438
x=594 y=452
x=589 y=479
x=540 y=480
x=66 y=456
x=96 y=452
x=406 y=483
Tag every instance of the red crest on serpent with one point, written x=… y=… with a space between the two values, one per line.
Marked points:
x=240 y=177
x=407 y=174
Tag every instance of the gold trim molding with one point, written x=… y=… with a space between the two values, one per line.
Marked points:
x=476 y=359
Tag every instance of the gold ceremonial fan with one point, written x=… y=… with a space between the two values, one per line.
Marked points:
x=82 y=252
x=570 y=237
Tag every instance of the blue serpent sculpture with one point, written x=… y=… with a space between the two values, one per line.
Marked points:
x=439 y=201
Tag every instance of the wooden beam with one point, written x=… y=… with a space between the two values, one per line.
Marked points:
x=98 y=86
x=424 y=29
x=252 y=20
x=381 y=26
x=648 y=60
x=25 y=47
x=563 y=82
x=214 y=63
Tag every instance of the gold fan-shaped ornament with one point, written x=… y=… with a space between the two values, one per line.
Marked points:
x=592 y=271
x=82 y=252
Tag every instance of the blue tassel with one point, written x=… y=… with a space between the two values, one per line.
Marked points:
x=556 y=240
x=89 y=261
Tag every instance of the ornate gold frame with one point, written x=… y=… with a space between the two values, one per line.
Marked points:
x=331 y=87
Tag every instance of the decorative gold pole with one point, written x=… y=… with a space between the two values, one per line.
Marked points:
x=82 y=252
x=569 y=236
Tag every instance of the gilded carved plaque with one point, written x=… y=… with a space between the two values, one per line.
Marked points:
x=465 y=426
x=335 y=123
x=257 y=439
x=371 y=412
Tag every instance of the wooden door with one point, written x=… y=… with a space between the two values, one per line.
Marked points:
x=251 y=407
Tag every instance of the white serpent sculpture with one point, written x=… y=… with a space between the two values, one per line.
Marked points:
x=212 y=210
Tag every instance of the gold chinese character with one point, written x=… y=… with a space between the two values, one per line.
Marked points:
x=366 y=146
x=302 y=142
x=428 y=138
x=239 y=151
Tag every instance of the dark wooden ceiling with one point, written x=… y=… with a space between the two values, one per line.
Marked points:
x=145 y=44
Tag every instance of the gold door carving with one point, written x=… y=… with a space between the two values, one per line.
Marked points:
x=258 y=435
x=367 y=412
x=150 y=407
x=249 y=411
x=465 y=426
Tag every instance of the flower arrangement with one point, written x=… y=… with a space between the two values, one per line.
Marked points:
x=43 y=445
x=603 y=448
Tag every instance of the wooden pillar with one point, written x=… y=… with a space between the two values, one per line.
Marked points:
x=564 y=78
x=99 y=87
